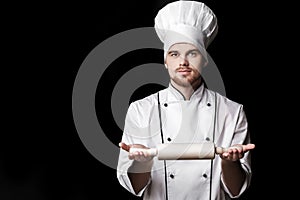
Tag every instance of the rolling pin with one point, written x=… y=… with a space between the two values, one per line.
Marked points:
x=180 y=151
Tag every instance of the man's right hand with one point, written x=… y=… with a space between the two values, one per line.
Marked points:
x=136 y=155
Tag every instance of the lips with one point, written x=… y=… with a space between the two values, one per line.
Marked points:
x=184 y=71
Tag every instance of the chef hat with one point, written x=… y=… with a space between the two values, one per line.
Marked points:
x=186 y=21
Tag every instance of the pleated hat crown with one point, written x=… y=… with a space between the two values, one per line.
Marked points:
x=186 y=22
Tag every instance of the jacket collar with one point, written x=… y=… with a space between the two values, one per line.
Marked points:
x=177 y=95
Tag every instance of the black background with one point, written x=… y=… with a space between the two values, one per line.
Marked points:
x=42 y=156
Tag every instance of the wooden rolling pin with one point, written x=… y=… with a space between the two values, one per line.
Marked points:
x=177 y=151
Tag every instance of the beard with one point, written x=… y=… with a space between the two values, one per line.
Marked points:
x=193 y=79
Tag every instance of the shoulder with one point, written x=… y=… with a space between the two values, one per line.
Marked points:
x=222 y=100
x=148 y=101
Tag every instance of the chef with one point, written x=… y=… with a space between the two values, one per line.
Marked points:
x=185 y=112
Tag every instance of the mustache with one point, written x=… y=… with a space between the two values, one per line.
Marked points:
x=184 y=68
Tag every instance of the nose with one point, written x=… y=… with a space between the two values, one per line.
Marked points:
x=184 y=61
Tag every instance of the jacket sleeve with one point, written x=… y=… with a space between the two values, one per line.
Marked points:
x=242 y=136
x=130 y=136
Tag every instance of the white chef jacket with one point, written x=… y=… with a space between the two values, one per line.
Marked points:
x=207 y=116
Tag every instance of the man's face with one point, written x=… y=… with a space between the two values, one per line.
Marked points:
x=184 y=62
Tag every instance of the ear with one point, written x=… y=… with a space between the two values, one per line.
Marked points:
x=166 y=66
x=205 y=63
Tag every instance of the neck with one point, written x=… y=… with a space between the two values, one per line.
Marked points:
x=187 y=90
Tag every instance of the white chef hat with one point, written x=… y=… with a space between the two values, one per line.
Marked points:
x=186 y=21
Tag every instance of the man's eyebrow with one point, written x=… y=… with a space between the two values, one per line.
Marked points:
x=193 y=50
x=172 y=51
x=188 y=51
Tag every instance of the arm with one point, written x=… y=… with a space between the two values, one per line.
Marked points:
x=233 y=173
x=138 y=177
x=139 y=180
x=235 y=162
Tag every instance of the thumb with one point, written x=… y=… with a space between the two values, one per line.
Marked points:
x=248 y=147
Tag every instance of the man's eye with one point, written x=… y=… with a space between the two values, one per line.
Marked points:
x=174 y=54
x=193 y=54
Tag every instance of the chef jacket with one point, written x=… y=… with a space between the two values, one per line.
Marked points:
x=166 y=117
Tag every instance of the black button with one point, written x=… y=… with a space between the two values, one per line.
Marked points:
x=204 y=175
x=169 y=139
x=172 y=175
x=207 y=139
x=165 y=104
x=208 y=104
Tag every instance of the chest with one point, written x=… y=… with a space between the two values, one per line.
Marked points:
x=187 y=121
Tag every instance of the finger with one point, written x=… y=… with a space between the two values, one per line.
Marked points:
x=138 y=156
x=124 y=146
x=248 y=147
x=235 y=149
x=235 y=155
x=133 y=155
